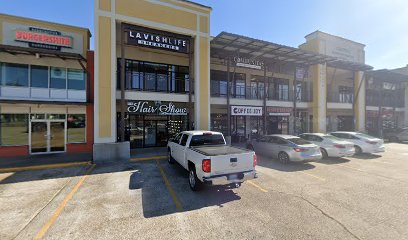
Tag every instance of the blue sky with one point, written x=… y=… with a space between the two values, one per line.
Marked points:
x=379 y=24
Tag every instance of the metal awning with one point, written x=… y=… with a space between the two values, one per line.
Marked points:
x=387 y=75
x=14 y=50
x=228 y=44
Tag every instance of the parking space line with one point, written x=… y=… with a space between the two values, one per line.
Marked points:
x=353 y=168
x=54 y=216
x=314 y=176
x=148 y=158
x=257 y=186
x=169 y=187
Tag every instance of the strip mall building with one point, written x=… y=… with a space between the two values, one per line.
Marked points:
x=158 y=71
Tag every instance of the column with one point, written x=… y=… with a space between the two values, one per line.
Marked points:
x=406 y=106
x=319 y=73
x=359 y=104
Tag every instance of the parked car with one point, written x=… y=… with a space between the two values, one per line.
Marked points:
x=285 y=148
x=397 y=134
x=210 y=160
x=363 y=143
x=330 y=146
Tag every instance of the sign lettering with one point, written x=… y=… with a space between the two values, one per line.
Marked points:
x=162 y=41
x=246 y=111
x=143 y=107
x=248 y=63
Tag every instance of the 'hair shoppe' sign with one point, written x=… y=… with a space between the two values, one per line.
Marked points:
x=160 y=40
x=145 y=107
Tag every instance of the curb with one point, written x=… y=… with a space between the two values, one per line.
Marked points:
x=45 y=166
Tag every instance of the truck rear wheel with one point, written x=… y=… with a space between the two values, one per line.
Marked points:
x=193 y=181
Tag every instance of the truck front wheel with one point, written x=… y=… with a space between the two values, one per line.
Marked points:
x=193 y=181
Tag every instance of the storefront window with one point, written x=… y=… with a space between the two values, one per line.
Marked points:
x=239 y=82
x=279 y=89
x=155 y=77
x=256 y=125
x=345 y=94
x=219 y=123
x=76 y=128
x=15 y=75
x=39 y=76
x=76 y=79
x=219 y=83
x=257 y=87
x=238 y=128
x=13 y=129
x=58 y=78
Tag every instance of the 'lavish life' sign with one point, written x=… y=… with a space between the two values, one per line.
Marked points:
x=246 y=111
x=162 y=41
x=248 y=63
x=143 y=107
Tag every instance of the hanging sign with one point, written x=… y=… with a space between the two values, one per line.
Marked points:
x=248 y=63
x=144 y=107
x=278 y=111
x=161 y=40
x=246 y=111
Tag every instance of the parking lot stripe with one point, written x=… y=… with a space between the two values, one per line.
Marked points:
x=45 y=166
x=54 y=216
x=257 y=186
x=314 y=176
x=357 y=169
x=169 y=187
x=148 y=158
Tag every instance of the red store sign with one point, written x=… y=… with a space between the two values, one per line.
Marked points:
x=43 y=38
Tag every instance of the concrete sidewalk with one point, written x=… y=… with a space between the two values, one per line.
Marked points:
x=147 y=153
x=44 y=159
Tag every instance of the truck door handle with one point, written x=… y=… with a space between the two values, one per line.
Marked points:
x=233 y=160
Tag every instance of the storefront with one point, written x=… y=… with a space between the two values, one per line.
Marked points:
x=278 y=120
x=245 y=122
x=45 y=90
x=152 y=123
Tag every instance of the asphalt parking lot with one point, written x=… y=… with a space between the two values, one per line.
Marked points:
x=363 y=197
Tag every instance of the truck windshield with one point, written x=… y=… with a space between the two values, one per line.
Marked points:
x=214 y=139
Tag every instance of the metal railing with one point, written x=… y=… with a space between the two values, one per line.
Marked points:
x=340 y=97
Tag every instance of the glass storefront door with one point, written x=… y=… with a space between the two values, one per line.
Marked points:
x=39 y=137
x=47 y=136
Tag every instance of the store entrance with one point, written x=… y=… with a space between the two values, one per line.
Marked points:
x=345 y=123
x=144 y=131
x=278 y=125
x=47 y=136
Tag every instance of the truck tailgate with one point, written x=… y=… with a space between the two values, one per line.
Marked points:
x=232 y=163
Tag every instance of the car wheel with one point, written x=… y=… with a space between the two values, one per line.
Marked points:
x=193 y=181
x=283 y=157
x=394 y=139
x=250 y=147
x=358 y=150
x=324 y=153
x=170 y=159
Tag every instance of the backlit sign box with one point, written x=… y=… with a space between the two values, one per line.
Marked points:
x=248 y=63
x=161 y=41
x=43 y=38
x=246 y=111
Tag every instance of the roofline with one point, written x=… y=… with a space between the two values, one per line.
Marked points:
x=342 y=38
x=197 y=4
x=44 y=21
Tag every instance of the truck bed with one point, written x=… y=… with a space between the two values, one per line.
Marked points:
x=219 y=150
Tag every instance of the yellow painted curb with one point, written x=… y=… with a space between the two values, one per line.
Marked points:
x=148 y=158
x=46 y=166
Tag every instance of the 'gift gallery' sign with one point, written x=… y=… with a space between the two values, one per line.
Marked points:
x=144 y=107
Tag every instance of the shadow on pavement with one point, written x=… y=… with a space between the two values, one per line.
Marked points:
x=289 y=167
x=333 y=160
x=156 y=199
x=367 y=156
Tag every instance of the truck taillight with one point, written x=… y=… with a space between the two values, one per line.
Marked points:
x=255 y=160
x=207 y=165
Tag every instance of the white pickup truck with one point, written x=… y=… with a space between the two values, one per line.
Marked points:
x=210 y=160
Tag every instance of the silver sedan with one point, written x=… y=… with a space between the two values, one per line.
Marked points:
x=285 y=148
